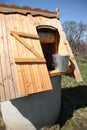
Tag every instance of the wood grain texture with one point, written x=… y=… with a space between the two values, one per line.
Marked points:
x=23 y=67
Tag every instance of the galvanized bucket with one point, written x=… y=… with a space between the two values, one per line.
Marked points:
x=61 y=62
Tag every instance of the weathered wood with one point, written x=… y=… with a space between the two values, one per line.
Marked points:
x=11 y=45
x=26 y=35
x=26 y=45
x=18 y=23
x=25 y=10
x=29 y=60
x=2 y=91
x=47 y=37
x=57 y=72
x=4 y=59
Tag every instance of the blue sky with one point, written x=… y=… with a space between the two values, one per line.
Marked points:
x=69 y=9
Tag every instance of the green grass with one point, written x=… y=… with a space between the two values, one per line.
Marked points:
x=71 y=82
x=78 y=121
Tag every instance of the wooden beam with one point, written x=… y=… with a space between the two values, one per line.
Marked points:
x=29 y=60
x=47 y=37
x=26 y=35
x=57 y=72
x=26 y=45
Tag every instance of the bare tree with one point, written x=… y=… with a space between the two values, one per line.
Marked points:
x=75 y=33
x=81 y=29
x=74 y=30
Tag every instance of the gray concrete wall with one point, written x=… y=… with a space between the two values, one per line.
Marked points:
x=41 y=109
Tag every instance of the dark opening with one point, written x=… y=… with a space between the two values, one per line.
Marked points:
x=49 y=39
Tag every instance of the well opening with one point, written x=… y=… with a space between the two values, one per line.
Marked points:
x=49 y=39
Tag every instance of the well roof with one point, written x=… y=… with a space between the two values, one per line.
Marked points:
x=8 y=9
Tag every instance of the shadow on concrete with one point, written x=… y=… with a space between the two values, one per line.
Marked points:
x=72 y=99
x=41 y=109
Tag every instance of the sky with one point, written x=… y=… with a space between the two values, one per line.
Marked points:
x=74 y=10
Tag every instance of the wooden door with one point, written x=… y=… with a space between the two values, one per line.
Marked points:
x=32 y=73
x=24 y=69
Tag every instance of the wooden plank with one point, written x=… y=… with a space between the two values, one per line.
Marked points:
x=11 y=45
x=26 y=35
x=29 y=60
x=57 y=72
x=26 y=45
x=46 y=37
x=4 y=59
x=2 y=91
x=20 y=68
x=11 y=73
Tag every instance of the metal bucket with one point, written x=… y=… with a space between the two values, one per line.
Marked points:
x=61 y=62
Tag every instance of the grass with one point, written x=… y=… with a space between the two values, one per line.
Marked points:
x=78 y=121
x=71 y=82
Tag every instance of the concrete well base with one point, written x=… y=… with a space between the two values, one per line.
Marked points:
x=34 y=111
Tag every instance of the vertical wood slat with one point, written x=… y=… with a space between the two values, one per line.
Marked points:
x=4 y=58
x=9 y=61
x=19 y=68
x=9 y=25
x=15 y=49
x=2 y=93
